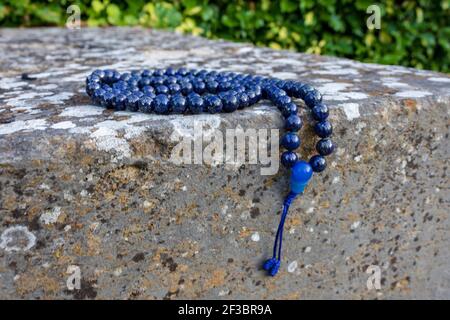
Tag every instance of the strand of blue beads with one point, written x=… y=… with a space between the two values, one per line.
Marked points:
x=184 y=91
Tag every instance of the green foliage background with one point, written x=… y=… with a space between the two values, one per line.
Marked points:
x=413 y=33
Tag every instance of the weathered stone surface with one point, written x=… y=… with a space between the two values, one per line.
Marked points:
x=85 y=187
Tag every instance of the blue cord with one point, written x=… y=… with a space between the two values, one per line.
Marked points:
x=273 y=265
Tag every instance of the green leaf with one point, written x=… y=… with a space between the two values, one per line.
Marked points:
x=113 y=13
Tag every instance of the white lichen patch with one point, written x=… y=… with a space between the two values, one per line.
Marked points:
x=50 y=216
x=186 y=126
x=339 y=91
x=255 y=237
x=17 y=238
x=81 y=111
x=351 y=110
x=11 y=83
x=413 y=94
x=20 y=125
x=59 y=98
x=285 y=75
x=112 y=135
x=63 y=125
x=439 y=79
x=292 y=266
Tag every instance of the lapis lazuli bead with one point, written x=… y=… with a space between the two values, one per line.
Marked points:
x=132 y=102
x=230 y=102
x=195 y=103
x=288 y=158
x=325 y=146
x=320 y=112
x=301 y=173
x=293 y=123
x=290 y=141
x=178 y=103
x=145 y=104
x=323 y=129
x=288 y=109
x=312 y=98
x=318 y=163
x=213 y=104
x=162 y=89
x=119 y=102
x=161 y=104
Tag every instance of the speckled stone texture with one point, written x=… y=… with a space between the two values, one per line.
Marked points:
x=83 y=187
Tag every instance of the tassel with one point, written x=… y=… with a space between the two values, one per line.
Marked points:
x=301 y=173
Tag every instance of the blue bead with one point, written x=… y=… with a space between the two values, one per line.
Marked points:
x=107 y=100
x=91 y=87
x=199 y=87
x=288 y=159
x=318 y=163
x=148 y=89
x=145 y=104
x=293 y=123
x=325 y=147
x=320 y=112
x=288 y=109
x=174 y=88
x=304 y=89
x=230 y=102
x=178 y=103
x=162 y=89
x=182 y=72
x=290 y=141
x=170 y=80
x=312 y=98
x=146 y=73
x=224 y=86
x=252 y=97
x=213 y=104
x=169 y=72
x=243 y=100
x=301 y=173
x=186 y=88
x=195 y=103
x=323 y=129
x=161 y=104
x=281 y=101
x=144 y=82
x=212 y=86
x=119 y=102
x=132 y=102
x=97 y=95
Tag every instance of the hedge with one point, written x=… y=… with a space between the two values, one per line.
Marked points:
x=412 y=33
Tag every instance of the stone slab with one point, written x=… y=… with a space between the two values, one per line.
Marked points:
x=87 y=189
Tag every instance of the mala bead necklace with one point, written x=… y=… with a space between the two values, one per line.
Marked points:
x=183 y=91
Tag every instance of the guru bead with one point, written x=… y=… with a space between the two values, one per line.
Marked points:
x=301 y=173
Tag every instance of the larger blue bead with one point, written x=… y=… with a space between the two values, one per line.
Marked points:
x=301 y=173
